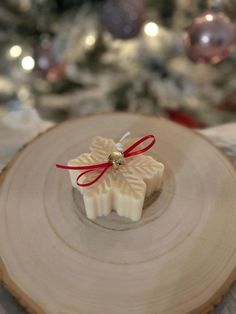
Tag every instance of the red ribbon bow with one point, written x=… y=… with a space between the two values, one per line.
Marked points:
x=129 y=152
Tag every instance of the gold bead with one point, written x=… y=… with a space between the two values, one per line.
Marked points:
x=117 y=159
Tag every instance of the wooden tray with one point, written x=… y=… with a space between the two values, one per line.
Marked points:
x=180 y=258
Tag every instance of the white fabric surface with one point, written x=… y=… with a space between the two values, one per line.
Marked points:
x=17 y=128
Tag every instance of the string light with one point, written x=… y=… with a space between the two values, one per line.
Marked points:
x=151 y=29
x=90 y=40
x=15 y=51
x=28 y=63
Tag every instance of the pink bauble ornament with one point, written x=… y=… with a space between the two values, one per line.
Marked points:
x=47 y=65
x=210 y=38
x=123 y=18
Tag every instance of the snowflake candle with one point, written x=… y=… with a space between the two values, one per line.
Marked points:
x=115 y=177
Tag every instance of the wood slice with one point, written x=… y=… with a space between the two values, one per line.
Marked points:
x=180 y=258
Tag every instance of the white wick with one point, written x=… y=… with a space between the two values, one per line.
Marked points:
x=119 y=146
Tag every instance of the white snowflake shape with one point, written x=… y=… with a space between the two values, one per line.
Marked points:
x=122 y=190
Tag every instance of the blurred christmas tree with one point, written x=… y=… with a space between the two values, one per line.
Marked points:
x=73 y=57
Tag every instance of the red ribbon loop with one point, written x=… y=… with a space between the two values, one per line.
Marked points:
x=129 y=152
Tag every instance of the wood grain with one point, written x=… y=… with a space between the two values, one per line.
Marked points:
x=180 y=258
